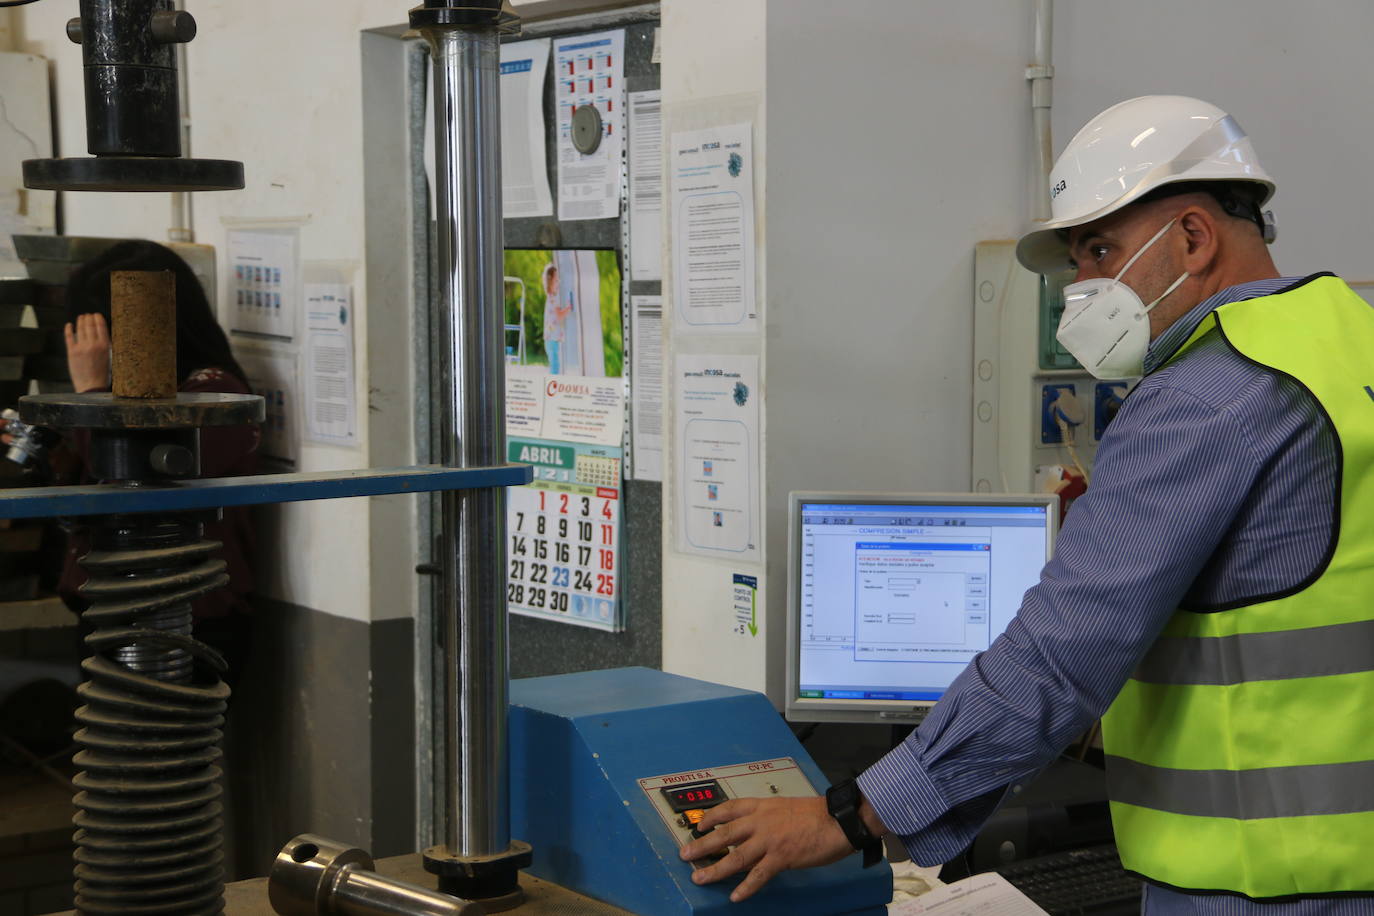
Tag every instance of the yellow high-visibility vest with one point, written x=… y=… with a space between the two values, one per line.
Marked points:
x=1240 y=755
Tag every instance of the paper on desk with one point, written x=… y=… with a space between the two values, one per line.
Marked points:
x=910 y=880
x=589 y=70
x=646 y=186
x=981 y=895
x=524 y=170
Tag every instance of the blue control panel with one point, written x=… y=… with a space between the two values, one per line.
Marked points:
x=609 y=767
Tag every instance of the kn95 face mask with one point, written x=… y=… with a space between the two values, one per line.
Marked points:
x=1106 y=326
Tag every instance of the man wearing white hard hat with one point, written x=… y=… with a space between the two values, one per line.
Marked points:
x=1212 y=594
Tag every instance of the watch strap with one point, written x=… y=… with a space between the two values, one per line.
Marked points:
x=842 y=800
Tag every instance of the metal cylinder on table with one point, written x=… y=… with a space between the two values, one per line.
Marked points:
x=315 y=876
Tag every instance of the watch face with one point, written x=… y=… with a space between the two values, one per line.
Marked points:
x=843 y=796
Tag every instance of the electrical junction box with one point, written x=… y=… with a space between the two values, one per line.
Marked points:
x=1052 y=352
x=609 y=767
x=1020 y=375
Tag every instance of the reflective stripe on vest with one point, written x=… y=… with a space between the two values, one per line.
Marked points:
x=1343 y=648
x=1240 y=758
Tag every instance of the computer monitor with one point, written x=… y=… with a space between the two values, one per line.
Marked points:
x=890 y=595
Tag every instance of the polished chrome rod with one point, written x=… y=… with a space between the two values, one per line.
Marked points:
x=467 y=130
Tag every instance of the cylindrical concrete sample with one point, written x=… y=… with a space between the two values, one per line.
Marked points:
x=143 y=316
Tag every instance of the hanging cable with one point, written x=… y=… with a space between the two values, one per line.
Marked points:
x=1066 y=433
x=5 y=3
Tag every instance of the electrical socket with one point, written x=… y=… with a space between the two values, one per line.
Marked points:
x=1107 y=398
x=1049 y=395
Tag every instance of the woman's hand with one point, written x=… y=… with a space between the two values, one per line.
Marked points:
x=88 y=352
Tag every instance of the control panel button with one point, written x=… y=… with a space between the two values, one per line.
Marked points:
x=683 y=798
x=694 y=819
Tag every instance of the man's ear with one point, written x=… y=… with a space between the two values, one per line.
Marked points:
x=1201 y=239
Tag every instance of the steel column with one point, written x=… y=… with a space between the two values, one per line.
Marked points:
x=467 y=128
x=468 y=189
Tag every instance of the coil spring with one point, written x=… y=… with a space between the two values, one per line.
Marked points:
x=149 y=819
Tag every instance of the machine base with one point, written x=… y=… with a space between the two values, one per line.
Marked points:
x=494 y=880
x=249 y=898
x=605 y=764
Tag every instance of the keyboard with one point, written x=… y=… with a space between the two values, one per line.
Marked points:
x=1077 y=883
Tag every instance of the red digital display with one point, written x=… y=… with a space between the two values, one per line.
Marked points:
x=697 y=795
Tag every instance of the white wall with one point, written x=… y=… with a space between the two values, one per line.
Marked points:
x=1297 y=77
x=888 y=164
x=898 y=137
x=713 y=73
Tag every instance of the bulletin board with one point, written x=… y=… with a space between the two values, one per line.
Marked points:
x=540 y=647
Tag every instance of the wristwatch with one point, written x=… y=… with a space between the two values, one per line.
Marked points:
x=842 y=800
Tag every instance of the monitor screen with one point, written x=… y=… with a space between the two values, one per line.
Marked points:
x=890 y=596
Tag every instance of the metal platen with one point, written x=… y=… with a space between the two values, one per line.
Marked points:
x=133 y=129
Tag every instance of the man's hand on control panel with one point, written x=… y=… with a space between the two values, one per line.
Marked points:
x=770 y=835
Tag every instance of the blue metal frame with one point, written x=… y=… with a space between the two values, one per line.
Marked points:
x=580 y=743
x=210 y=493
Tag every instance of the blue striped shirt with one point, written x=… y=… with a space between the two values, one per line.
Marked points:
x=1214 y=483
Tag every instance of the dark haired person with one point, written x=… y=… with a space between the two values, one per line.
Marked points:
x=204 y=364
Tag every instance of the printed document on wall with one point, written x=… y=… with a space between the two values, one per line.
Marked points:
x=272 y=375
x=263 y=283
x=646 y=186
x=589 y=70
x=585 y=409
x=717 y=480
x=330 y=413
x=646 y=386
x=524 y=169
x=713 y=230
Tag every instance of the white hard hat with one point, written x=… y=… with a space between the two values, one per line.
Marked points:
x=1128 y=151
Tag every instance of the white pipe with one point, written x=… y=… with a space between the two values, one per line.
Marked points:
x=1041 y=76
x=182 y=228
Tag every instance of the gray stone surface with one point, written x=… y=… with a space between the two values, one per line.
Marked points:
x=540 y=647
